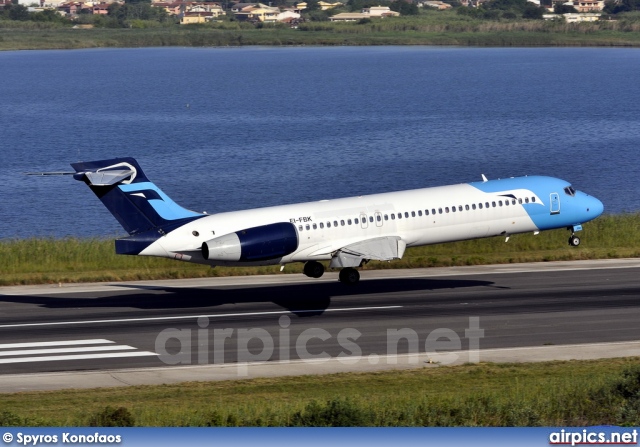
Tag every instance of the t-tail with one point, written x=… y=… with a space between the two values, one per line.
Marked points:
x=143 y=210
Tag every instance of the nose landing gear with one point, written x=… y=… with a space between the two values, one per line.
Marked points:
x=574 y=240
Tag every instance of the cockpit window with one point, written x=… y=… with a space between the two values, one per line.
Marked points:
x=570 y=191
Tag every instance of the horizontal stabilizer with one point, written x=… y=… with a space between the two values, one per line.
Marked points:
x=108 y=172
x=107 y=178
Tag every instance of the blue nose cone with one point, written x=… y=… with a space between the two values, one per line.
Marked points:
x=594 y=207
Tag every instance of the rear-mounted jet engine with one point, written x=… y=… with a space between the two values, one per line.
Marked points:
x=253 y=244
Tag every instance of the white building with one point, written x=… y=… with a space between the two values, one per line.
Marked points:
x=379 y=11
x=367 y=13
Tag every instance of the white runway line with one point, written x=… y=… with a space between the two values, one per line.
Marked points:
x=77 y=357
x=43 y=344
x=188 y=317
x=65 y=350
x=42 y=351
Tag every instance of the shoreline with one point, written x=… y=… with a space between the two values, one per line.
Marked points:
x=16 y=39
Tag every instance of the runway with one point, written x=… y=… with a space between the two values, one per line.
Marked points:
x=232 y=324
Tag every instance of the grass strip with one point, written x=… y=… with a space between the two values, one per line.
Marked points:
x=570 y=393
x=52 y=261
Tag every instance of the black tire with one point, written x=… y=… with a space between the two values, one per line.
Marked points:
x=313 y=269
x=349 y=275
x=574 y=241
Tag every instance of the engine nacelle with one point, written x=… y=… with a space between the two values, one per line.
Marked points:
x=253 y=244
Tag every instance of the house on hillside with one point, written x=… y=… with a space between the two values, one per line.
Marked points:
x=380 y=11
x=588 y=5
x=257 y=12
x=172 y=8
x=348 y=17
x=213 y=9
x=50 y=3
x=288 y=16
x=100 y=8
x=325 y=6
x=573 y=17
x=240 y=6
x=434 y=4
x=199 y=12
x=194 y=18
x=367 y=13
x=70 y=9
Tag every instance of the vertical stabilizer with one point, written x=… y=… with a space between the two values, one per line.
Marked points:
x=138 y=204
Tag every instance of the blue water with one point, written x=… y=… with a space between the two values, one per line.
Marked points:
x=225 y=129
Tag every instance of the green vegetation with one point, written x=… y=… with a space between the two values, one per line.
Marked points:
x=618 y=6
x=112 y=417
x=550 y=394
x=501 y=23
x=405 y=32
x=42 y=261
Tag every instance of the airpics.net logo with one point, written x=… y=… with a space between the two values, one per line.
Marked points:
x=210 y=345
x=592 y=437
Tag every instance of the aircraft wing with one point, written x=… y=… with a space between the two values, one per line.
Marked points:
x=379 y=249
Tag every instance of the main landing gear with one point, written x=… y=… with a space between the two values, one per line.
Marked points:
x=348 y=275
x=313 y=269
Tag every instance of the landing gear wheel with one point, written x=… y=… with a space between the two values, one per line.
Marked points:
x=349 y=276
x=574 y=241
x=313 y=269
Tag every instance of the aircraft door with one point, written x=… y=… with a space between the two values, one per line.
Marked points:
x=554 y=203
x=378 y=216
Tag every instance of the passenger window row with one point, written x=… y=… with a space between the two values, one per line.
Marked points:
x=419 y=213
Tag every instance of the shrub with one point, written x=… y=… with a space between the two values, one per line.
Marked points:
x=628 y=388
x=9 y=419
x=112 y=417
x=336 y=413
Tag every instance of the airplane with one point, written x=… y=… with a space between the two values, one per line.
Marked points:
x=347 y=232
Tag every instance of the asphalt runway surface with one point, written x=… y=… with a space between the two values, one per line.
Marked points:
x=280 y=318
